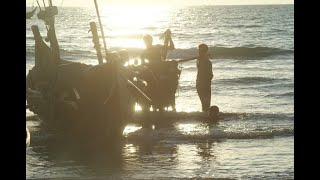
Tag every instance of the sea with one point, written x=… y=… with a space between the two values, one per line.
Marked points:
x=252 y=53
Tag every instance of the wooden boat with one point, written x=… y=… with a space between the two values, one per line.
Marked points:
x=91 y=102
x=31 y=13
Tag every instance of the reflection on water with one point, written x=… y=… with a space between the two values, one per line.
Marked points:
x=182 y=151
x=52 y=154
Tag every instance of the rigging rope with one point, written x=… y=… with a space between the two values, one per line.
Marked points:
x=44 y=4
x=39 y=5
x=61 y=3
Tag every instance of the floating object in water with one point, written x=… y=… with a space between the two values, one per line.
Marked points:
x=213 y=113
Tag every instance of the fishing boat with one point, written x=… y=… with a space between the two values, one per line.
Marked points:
x=93 y=102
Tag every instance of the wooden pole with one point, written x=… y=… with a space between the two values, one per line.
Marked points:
x=95 y=37
x=44 y=4
x=39 y=5
x=104 y=41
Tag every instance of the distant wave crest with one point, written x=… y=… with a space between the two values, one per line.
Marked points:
x=214 y=134
x=250 y=80
x=246 y=52
x=215 y=52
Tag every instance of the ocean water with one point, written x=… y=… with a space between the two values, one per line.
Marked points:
x=252 y=51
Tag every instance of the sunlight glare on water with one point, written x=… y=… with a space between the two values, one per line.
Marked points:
x=130 y=128
x=132 y=22
x=194 y=128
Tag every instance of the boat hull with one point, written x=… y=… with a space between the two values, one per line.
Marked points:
x=88 y=102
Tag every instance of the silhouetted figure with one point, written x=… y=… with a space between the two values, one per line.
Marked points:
x=123 y=56
x=214 y=114
x=156 y=53
x=204 y=76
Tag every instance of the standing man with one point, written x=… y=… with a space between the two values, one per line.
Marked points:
x=204 y=76
x=156 y=53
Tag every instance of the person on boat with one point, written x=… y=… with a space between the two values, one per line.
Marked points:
x=204 y=76
x=156 y=53
x=123 y=56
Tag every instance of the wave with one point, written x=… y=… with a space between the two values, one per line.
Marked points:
x=143 y=135
x=172 y=134
x=249 y=80
x=218 y=52
x=246 y=52
x=254 y=134
x=232 y=125
x=77 y=54
x=290 y=94
x=242 y=26
x=196 y=115
x=283 y=85
x=286 y=94
x=224 y=116
x=278 y=30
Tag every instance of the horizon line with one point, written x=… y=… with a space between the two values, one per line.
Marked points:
x=184 y=5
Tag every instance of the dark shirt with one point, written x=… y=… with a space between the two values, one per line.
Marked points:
x=153 y=54
x=204 y=75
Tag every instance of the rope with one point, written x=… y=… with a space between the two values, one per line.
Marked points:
x=39 y=5
x=61 y=3
x=44 y=4
x=111 y=90
x=180 y=66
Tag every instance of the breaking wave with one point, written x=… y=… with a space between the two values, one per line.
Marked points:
x=216 y=52
x=250 y=80
x=233 y=52
x=212 y=134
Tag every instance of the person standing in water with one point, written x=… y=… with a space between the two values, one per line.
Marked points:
x=204 y=76
x=156 y=53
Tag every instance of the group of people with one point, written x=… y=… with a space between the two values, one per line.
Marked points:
x=158 y=53
x=155 y=53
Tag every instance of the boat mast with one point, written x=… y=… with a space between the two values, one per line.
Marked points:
x=39 y=5
x=93 y=29
x=103 y=38
x=50 y=2
x=44 y=4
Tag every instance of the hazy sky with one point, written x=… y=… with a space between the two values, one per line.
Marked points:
x=79 y=3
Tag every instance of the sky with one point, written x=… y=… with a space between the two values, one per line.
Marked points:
x=85 y=3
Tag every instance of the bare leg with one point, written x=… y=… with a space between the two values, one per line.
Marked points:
x=205 y=97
